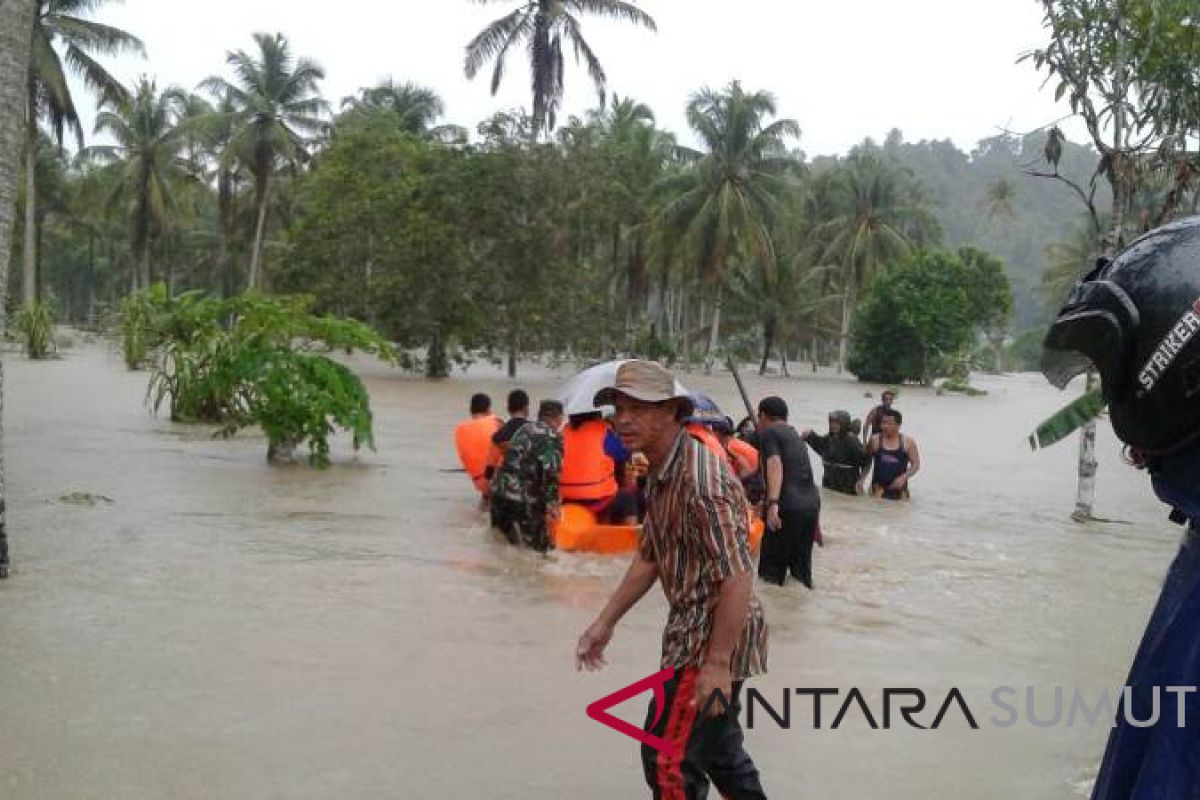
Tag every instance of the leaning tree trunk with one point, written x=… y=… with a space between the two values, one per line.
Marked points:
x=29 y=252
x=259 y=229
x=16 y=28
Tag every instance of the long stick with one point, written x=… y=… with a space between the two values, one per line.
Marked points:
x=741 y=388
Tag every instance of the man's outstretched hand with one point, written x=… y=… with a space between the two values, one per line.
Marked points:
x=589 y=652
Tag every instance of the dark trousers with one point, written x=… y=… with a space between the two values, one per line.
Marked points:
x=1160 y=760
x=789 y=548
x=521 y=522
x=712 y=747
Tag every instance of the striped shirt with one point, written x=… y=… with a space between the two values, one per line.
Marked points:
x=696 y=528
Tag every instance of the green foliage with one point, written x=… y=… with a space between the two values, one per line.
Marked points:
x=254 y=360
x=298 y=396
x=541 y=29
x=35 y=322
x=141 y=319
x=1068 y=419
x=919 y=317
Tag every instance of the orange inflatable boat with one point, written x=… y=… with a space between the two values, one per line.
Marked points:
x=578 y=531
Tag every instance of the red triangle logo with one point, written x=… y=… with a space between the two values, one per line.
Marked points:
x=599 y=710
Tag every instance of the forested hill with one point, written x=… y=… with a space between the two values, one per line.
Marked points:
x=985 y=198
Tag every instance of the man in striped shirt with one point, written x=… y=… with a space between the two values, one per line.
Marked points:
x=693 y=541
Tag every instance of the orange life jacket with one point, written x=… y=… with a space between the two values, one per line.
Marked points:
x=706 y=437
x=743 y=455
x=473 y=440
x=588 y=473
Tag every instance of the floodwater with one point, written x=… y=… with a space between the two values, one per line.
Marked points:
x=184 y=621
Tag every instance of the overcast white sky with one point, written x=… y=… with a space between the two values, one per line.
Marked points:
x=843 y=70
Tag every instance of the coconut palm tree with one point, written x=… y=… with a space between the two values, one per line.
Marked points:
x=634 y=154
x=880 y=216
x=542 y=27
x=414 y=108
x=277 y=112
x=62 y=25
x=146 y=162
x=724 y=205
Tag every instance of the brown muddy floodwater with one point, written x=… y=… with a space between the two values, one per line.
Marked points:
x=223 y=629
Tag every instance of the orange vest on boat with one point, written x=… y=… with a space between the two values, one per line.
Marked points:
x=706 y=437
x=473 y=440
x=743 y=455
x=587 y=471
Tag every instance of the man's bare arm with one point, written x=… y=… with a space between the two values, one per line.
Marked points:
x=640 y=576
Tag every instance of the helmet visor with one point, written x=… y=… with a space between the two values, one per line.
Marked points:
x=1095 y=329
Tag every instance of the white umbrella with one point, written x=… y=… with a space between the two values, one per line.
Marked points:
x=578 y=392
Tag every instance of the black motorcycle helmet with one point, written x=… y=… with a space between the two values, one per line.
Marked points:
x=1136 y=319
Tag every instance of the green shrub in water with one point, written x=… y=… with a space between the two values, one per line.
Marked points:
x=254 y=360
x=142 y=315
x=35 y=323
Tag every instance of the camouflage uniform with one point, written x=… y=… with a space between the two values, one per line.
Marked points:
x=526 y=484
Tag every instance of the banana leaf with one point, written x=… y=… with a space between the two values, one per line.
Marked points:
x=1067 y=419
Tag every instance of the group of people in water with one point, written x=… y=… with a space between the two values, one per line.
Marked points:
x=526 y=467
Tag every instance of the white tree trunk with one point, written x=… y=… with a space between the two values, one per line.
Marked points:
x=29 y=252
x=1085 y=496
x=16 y=28
x=844 y=334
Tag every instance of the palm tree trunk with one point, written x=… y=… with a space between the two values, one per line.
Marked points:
x=844 y=335
x=144 y=265
x=259 y=228
x=16 y=27
x=714 y=335
x=768 y=341
x=89 y=297
x=29 y=253
x=513 y=347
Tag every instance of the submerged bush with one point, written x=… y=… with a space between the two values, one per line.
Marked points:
x=35 y=323
x=142 y=315
x=254 y=360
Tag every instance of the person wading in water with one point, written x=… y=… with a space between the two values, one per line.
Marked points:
x=873 y=421
x=693 y=541
x=841 y=453
x=894 y=458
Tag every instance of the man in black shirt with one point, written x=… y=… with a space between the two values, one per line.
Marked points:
x=793 y=502
x=518 y=415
